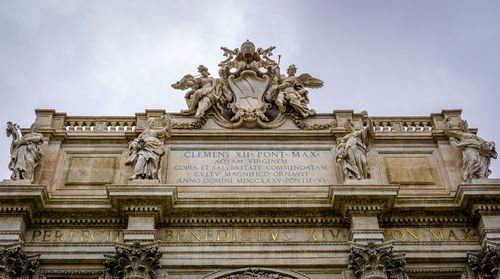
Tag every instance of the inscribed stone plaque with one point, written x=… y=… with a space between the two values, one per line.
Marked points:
x=408 y=170
x=91 y=170
x=250 y=167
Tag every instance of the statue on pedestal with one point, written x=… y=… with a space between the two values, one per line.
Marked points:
x=476 y=152
x=351 y=149
x=147 y=149
x=25 y=152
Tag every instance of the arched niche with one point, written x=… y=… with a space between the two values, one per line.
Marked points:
x=255 y=272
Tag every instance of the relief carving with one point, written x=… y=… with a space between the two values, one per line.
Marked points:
x=376 y=262
x=256 y=273
x=352 y=149
x=25 y=152
x=485 y=263
x=476 y=152
x=133 y=261
x=250 y=92
x=147 y=149
x=16 y=264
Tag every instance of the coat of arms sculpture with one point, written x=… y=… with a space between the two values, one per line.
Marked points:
x=251 y=91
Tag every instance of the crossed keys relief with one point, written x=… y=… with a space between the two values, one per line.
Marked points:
x=251 y=91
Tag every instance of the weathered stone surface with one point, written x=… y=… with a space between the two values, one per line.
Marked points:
x=408 y=170
x=91 y=170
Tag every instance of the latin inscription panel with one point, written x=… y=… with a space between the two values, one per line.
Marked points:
x=255 y=167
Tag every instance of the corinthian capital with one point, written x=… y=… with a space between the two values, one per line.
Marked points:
x=486 y=263
x=133 y=261
x=14 y=263
x=376 y=262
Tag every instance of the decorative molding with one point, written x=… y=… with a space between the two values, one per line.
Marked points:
x=376 y=262
x=251 y=221
x=198 y=124
x=304 y=125
x=99 y=273
x=133 y=261
x=486 y=262
x=14 y=263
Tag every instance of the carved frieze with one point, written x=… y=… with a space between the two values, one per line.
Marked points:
x=133 y=261
x=14 y=263
x=251 y=273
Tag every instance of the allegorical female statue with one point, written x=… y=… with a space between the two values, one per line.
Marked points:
x=205 y=92
x=147 y=149
x=25 y=152
x=291 y=90
x=476 y=152
x=351 y=149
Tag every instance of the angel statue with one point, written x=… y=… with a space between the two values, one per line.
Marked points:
x=205 y=92
x=25 y=152
x=476 y=152
x=352 y=148
x=291 y=90
x=147 y=149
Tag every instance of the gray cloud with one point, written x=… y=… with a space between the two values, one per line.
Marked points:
x=120 y=57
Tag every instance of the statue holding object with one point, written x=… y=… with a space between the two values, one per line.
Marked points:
x=147 y=149
x=205 y=92
x=25 y=152
x=476 y=152
x=352 y=149
x=291 y=91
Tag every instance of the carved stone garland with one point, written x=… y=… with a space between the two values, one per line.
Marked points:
x=16 y=264
x=252 y=273
x=486 y=263
x=133 y=261
x=376 y=262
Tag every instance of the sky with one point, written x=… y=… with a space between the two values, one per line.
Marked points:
x=389 y=57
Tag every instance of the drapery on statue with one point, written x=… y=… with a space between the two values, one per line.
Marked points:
x=351 y=149
x=250 y=91
x=291 y=90
x=25 y=152
x=476 y=152
x=205 y=92
x=146 y=150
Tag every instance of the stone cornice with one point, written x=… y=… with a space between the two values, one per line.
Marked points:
x=349 y=200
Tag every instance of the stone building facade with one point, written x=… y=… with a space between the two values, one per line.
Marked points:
x=249 y=184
